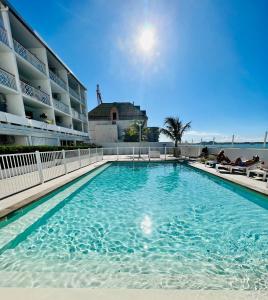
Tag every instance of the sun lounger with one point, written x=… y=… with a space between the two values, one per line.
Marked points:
x=224 y=167
x=245 y=169
x=258 y=172
x=232 y=169
x=211 y=163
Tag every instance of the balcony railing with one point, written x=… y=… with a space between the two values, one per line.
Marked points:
x=27 y=55
x=3 y=36
x=74 y=93
x=35 y=93
x=83 y=117
x=75 y=114
x=7 y=79
x=61 y=106
x=58 y=80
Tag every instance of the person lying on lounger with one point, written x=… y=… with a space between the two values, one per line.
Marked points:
x=221 y=158
x=247 y=163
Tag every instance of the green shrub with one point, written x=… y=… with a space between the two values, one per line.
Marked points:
x=11 y=149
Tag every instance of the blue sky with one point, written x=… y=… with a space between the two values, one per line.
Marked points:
x=209 y=63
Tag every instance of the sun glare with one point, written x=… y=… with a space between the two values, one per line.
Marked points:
x=146 y=41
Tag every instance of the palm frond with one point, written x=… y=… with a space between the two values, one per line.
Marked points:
x=167 y=133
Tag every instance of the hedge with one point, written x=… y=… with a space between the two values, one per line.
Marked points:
x=11 y=149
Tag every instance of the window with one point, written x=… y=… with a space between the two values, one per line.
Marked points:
x=114 y=116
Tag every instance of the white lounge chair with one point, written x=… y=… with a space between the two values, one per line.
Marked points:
x=211 y=163
x=232 y=169
x=258 y=172
x=245 y=169
x=224 y=167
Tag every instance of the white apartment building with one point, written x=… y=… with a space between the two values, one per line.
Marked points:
x=41 y=101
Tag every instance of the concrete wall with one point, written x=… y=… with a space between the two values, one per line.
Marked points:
x=232 y=153
x=105 y=131
x=244 y=153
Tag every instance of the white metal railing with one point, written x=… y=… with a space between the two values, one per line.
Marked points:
x=83 y=97
x=83 y=117
x=25 y=170
x=75 y=114
x=35 y=93
x=57 y=79
x=7 y=79
x=30 y=57
x=61 y=106
x=3 y=36
x=74 y=93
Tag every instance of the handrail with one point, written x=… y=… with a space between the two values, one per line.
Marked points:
x=74 y=93
x=3 y=36
x=7 y=79
x=30 y=57
x=35 y=93
x=75 y=114
x=61 y=106
x=57 y=79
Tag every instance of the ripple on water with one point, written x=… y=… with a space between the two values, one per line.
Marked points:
x=147 y=226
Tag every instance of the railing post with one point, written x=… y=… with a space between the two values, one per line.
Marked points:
x=149 y=154
x=96 y=154
x=133 y=152
x=89 y=155
x=39 y=166
x=64 y=161
x=101 y=153
x=165 y=153
x=79 y=158
x=117 y=152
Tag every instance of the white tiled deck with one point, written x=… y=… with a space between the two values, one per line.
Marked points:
x=128 y=294
x=251 y=183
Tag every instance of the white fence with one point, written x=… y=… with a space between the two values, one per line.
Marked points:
x=22 y=171
x=25 y=170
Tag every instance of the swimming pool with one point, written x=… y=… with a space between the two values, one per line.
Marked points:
x=140 y=225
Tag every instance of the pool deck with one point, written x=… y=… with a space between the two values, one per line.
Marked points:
x=126 y=294
x=252 y=183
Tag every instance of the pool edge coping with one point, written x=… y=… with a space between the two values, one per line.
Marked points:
x=128 y=294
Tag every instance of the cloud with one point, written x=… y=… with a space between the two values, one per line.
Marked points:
x=196 y=136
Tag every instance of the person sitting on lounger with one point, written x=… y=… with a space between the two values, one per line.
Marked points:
x=221 y=158
x=247 y=163
x=204 y=153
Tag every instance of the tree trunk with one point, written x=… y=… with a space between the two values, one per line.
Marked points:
x=177 y=151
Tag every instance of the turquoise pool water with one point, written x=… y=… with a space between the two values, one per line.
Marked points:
x=156 y=225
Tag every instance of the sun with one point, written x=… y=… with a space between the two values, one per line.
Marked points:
x=147 y=40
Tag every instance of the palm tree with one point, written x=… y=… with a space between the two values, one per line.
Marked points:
x=174 y=129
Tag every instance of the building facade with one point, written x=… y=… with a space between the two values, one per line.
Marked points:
x=108 y=121
x=41 y=101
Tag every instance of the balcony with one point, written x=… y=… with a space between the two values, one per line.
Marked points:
x=75 y=114
x=31 y=58
x=3 y=36
x=35 y=93
x=7 y=79
x=61 y=106
x=74 y=93
x=58 y=80
x=83 y=117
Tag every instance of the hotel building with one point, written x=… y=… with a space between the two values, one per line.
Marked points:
x=41 y=101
